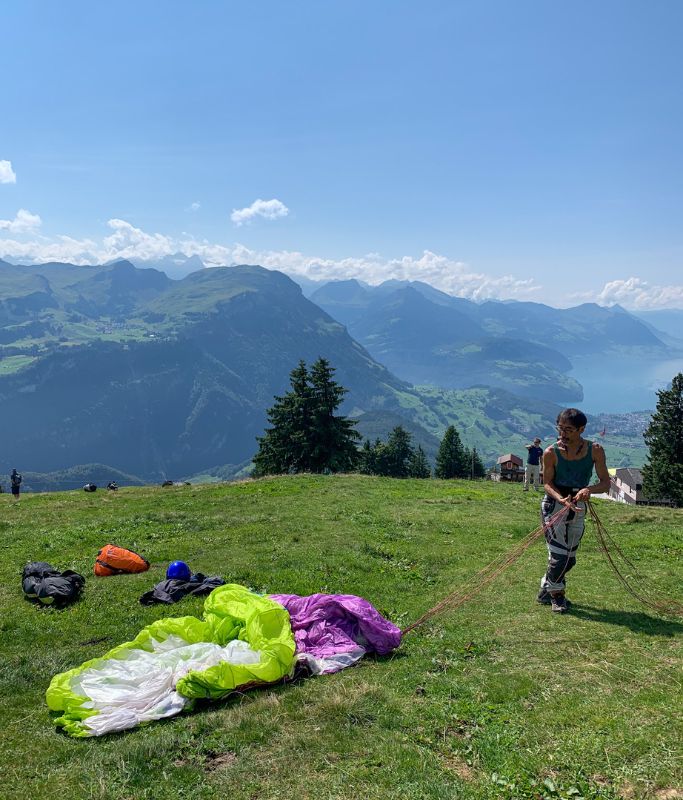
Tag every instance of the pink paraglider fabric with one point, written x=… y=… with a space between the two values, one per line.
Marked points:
x=333 y=631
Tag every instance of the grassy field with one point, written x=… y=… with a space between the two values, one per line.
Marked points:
x=11 y=364
x=500 y=699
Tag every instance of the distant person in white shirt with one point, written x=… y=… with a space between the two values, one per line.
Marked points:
x=532 y=474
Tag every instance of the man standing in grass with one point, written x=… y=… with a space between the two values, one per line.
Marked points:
x=533 y=465
x=567 y=470
x=15 y=481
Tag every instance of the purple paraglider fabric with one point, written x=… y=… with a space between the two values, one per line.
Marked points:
x=333 y=631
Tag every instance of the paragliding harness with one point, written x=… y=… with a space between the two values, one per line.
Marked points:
x=172 y=590
x=114 y=560
x=44 y=584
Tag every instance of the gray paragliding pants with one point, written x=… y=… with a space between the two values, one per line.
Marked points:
x=563 y=540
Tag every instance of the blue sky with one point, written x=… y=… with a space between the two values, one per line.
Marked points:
x=511 y=149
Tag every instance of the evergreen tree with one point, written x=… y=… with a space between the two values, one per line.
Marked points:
x=451 y=460
x=478 y=470
x=368 y=457
x=418 y=466
x=394 y=457
x=284 y=446
x=333 y=439
x=663 y=472
x=305 y=436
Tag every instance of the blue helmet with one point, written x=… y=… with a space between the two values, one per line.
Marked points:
x=179 y=571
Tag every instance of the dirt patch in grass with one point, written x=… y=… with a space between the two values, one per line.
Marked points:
x=669 y=794
x=456 y=764
x=626 y=790
x=216 y=761
x=462 y=728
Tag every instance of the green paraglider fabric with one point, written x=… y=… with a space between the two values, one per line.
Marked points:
x=244 y=639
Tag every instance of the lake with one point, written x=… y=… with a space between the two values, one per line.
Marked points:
x=618 y=384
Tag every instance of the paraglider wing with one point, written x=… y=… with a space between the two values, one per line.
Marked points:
x=244 y=639
x=333 y=631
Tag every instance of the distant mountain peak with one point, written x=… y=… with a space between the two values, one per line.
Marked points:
x=348 y=291
x=123 y=266
x=176 y=265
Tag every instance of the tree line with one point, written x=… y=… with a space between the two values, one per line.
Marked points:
x=305 y=435
x=397 y=458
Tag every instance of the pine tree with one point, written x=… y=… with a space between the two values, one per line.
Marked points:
x=451 y=460
x=305 y=435
x=663 y=472
x=418 y=466
x=333 y=439
x=368 y=457
x=285 y=446
x=478 y=468
x=394 y=457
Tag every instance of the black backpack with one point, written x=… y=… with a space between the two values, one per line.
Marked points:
x=44 y=584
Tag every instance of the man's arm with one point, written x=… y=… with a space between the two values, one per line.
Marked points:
x=604 y=481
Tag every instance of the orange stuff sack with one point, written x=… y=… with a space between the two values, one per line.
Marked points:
x=113 y=560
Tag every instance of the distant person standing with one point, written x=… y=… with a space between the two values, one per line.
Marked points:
x=532 y=473
x=15 y=480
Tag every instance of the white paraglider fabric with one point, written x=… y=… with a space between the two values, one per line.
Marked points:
x=141 y=686
x=331 y=663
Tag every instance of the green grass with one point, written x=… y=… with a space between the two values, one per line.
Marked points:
x=499 y=699
x=495 y=430
x=10 y=364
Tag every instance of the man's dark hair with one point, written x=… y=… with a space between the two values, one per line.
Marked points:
x=572 y=416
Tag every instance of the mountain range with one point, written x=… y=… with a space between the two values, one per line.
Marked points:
x=157 y=377
x=428 y=337
x=125 y=367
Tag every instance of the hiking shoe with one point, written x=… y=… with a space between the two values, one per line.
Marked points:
x=558 y=603
x=543 y=597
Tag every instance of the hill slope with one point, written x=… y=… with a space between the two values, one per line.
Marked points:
x=470 y=705
x=196 y=394
x=426 y=337
x=162 y=378
x=539 y=352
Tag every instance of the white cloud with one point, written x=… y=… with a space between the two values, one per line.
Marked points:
x=63 y=249
x=639 y=294
x=453 y=277
x=268 y=209
x=195 y=206
x=7 y=174
x=449 y=275
x=23 y=222
x=127 y=241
